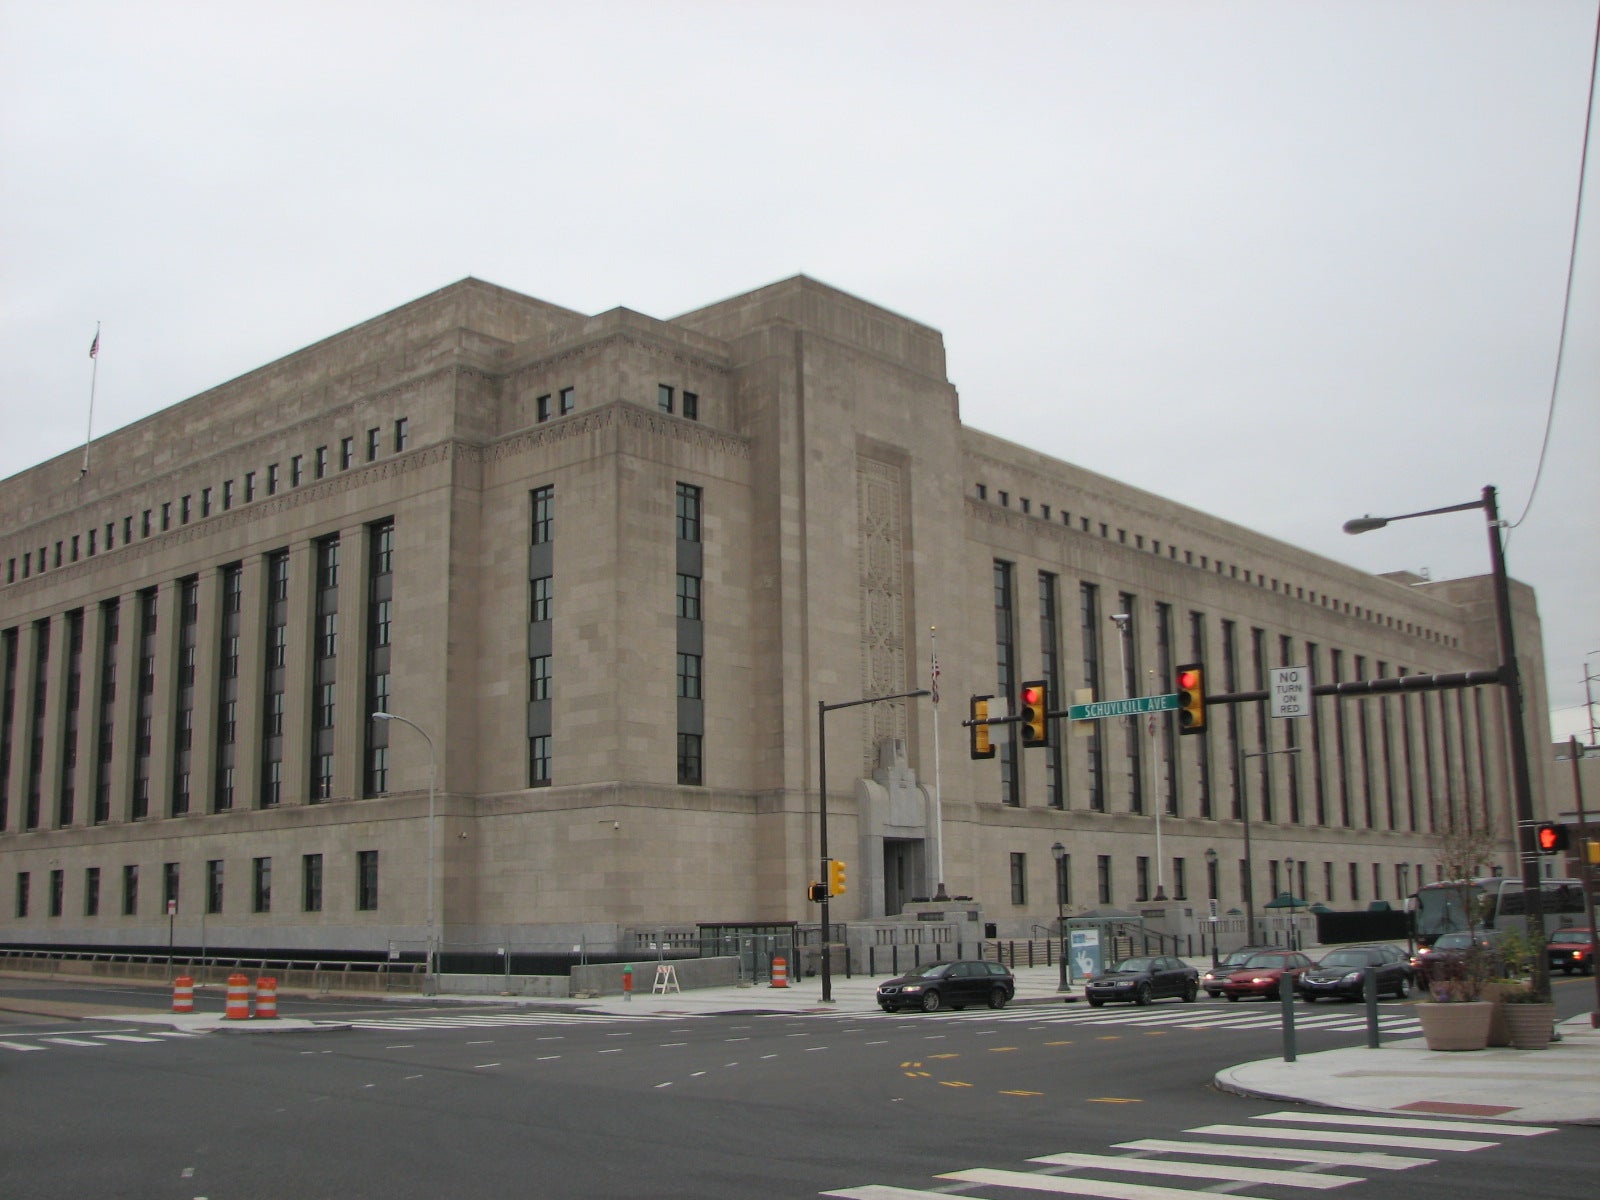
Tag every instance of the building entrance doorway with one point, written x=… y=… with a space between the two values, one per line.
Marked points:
x=903 y=876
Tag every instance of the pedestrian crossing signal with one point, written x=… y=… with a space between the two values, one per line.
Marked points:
x=1551 y=838
x=1191 y=698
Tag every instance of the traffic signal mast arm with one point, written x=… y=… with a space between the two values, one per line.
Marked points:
x=1369 y=687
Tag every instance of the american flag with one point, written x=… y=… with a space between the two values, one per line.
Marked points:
x=94 y=346
x=934 y=687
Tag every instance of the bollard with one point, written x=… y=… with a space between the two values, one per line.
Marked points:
x=266 y=998
x=627 y=982
x=780 y=972
x=238 y=1008
x=183 y=994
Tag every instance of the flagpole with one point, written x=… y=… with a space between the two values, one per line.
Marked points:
x=938 y=795
x=94 y=376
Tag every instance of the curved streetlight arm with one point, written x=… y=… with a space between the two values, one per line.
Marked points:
x=1368 y=524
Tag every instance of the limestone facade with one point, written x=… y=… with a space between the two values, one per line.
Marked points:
x=611 y=565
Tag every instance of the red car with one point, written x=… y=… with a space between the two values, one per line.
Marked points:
x=1570 y=950
x=1262 y=973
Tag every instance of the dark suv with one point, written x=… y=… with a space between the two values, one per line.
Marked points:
x=1343 y=972
x=933 y=986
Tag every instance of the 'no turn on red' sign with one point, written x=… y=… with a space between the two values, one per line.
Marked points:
x=1289 y=691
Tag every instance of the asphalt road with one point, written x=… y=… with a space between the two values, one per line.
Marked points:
x=490 y=1102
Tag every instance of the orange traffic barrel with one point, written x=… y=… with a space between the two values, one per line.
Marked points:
x=266 y=998
x=183 y=994
x=780 y=972
x=238 y=1008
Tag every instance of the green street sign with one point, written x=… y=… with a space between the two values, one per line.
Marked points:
x=1134 y=706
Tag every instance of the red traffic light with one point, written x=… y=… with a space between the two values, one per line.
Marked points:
x=1188 y=679
x=1032 y=695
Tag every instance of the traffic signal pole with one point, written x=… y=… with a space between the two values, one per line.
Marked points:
x=823 y=709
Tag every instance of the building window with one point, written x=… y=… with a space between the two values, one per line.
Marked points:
x=183 y=513
x=664 y=396
x=166 y=515
x=1005 y=675
x=1103 y=878
x=689 y=597
x=373 y=437
x=539 y=683
x=541 y=408
x=91 y=891
x=566 y=397
x=58 y=891
x=1019 y=878
x=319 y=462
x=688 y=512
x=1064 y=880
x=22 y=893
x=689 y=768
x=367 y=880
x=324 y=667
x=402 y=433
x=539 y=760
x=214 y=886
x=544 y=499
x=691 y=406
x=539 y=609
x=380 y=618
x=130 y=890
x=249 y=488
x=296 y=470
x=272 y=479
x=1180 y=884
x=688 y=676
x=169 y=887
x=1141 y=878
x=261 y=885
x=205 y=508
x=347 y=452
x=311 y=882
x=227 y=494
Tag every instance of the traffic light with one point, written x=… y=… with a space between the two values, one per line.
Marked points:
x=836 y=880
x=1031 y=714
x=816 y=893
x=1591 y=852
x=981 y=747
x=1192 y=698
x=1551 y=838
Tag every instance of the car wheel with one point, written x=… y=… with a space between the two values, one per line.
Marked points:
x=1308 y=998
x=888 y=1008
x=1094 y=1002
x=1235 y=999
x=998 y=998
x=1142 y=996
x=930 y=1001
x=1191 y=992
x=1402 y=989
x=1566 y=968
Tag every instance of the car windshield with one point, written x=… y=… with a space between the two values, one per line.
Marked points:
x=1570 y=935
x=1134 y=964
x=1267 y=960
x=1345 y=958
x=930 y=971
x=1453 y=941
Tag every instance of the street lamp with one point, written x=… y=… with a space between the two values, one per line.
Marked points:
x=1123 y=622
x=1211 y=892
x=433 y=776
x=1059 y=852
x=1288 y=871
x=1516 y=733
x=823 y=709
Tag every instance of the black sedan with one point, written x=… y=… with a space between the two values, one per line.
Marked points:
x=1141 y=980
x=949 y=985
x=1343 y=972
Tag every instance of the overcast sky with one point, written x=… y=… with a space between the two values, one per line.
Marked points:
x=1287 y=262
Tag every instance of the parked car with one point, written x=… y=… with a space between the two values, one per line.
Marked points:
x=1571 y=950
x=1261 y=973
x=1447 y=957
x=933 y=986
x=1227 y=965
x=1343 y=972
x=1143 y=979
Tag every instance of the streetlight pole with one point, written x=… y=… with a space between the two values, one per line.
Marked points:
x=1244 y=812
x=1123 y=622
x=823 y=709
x=433 y=778
x=1516 y=733
x=1211 y=892
x=1059 y=853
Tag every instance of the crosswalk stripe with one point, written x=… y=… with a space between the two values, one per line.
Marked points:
x=1333 y=1135
x=1435 y=1124
x=1373 y=1159
x=125 y=1037
x=69 y=1041
x=883 y=1191
x=23 y=1046
x=1196 y=1170
x=1062 y=1185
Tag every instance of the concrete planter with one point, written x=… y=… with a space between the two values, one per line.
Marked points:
x=1530 y=1025
x=1460 y=1025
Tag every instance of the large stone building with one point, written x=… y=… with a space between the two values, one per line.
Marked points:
x=606 y=568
